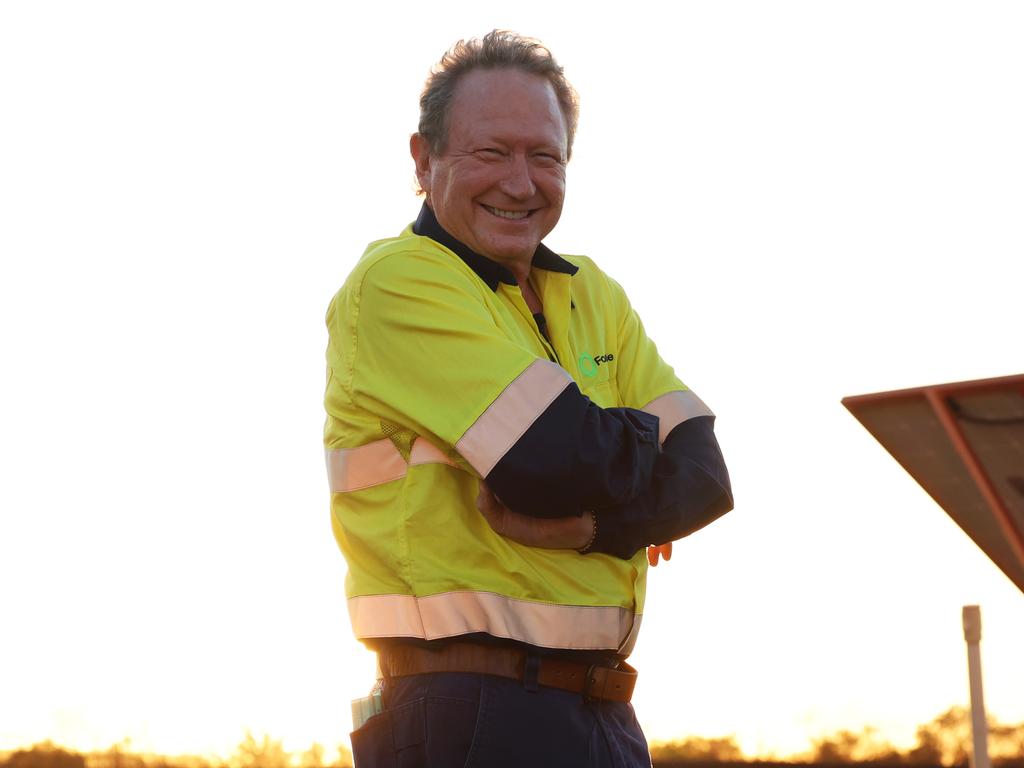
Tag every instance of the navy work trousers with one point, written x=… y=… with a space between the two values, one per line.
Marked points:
x=455 y=719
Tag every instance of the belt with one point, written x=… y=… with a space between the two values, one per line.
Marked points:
x=592 y=681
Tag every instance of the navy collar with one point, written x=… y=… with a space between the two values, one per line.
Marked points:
x=491 y=272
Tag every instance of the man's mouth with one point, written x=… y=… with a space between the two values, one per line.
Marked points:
x=504 y=214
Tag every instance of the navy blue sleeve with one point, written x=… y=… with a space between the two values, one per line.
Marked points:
x=576 y=457
x=689 y=488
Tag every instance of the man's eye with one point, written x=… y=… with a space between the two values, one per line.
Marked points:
x=490 y=153
x=546 y=158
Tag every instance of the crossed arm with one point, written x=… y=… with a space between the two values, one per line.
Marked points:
x=688 y=487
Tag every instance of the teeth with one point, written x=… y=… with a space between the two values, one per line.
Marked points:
x=507 y=214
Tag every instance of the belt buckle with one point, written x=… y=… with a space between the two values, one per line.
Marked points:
x=596 y=686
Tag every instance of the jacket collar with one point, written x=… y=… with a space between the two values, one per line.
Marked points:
x=491 y=272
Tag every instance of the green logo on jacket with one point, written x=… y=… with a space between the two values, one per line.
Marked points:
x=589 y=365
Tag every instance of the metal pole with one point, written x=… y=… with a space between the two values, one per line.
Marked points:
x=979 y=727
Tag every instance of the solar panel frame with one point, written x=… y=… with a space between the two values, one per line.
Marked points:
x=963 y=443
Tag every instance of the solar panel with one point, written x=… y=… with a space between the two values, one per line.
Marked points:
x=964 y=444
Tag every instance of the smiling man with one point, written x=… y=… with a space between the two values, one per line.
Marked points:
x=497 y=182
x=506 y=450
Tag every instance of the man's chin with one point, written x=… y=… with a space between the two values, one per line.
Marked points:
x=510 y=251
x=511 y=260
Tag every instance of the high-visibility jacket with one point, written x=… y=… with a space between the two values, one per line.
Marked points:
x=432 y=375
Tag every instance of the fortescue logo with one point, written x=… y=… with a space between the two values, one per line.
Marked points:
x=589 y=365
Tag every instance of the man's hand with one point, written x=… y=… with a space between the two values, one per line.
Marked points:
x=548 y=533
x=653 y=552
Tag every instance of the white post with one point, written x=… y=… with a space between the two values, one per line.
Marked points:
x=979 y=728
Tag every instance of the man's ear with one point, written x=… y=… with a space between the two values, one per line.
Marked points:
x=420 y=151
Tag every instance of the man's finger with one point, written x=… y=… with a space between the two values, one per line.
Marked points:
x=652 y=555
x=659 y=550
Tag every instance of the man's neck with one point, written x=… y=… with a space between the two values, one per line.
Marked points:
x=529 y=295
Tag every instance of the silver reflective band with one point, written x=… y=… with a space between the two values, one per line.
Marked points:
x=675 y=408
x=350 y=469
x=511 y=414
x=450 y=614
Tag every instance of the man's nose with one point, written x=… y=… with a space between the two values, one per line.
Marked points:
x=518 y=182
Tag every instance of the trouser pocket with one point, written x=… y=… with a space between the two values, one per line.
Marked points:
x=393 y=739
x=426 y=732
x=373 y=743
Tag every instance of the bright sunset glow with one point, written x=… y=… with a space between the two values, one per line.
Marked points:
x=804 y=200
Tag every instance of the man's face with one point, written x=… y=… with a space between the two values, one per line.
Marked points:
x=498 y=185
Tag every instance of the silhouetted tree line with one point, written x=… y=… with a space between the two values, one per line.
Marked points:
x=263 y=752
x=945 y=742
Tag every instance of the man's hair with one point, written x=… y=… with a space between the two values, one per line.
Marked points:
x=498 y=49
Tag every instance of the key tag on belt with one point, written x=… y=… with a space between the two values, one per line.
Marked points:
x=367 y=707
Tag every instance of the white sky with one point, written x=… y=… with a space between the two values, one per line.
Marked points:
x=805 y=200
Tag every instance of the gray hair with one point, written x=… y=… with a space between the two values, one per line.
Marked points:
x=498 y=49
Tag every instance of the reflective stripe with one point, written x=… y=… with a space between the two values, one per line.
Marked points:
x=349 y=469
x=675 y=408
x=425 y=452
x=458 y=613
x=511 y=414
x=627 y=645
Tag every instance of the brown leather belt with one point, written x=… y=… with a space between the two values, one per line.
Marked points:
x=593 y=681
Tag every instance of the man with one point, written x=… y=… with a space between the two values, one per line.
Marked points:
x=503 y=443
